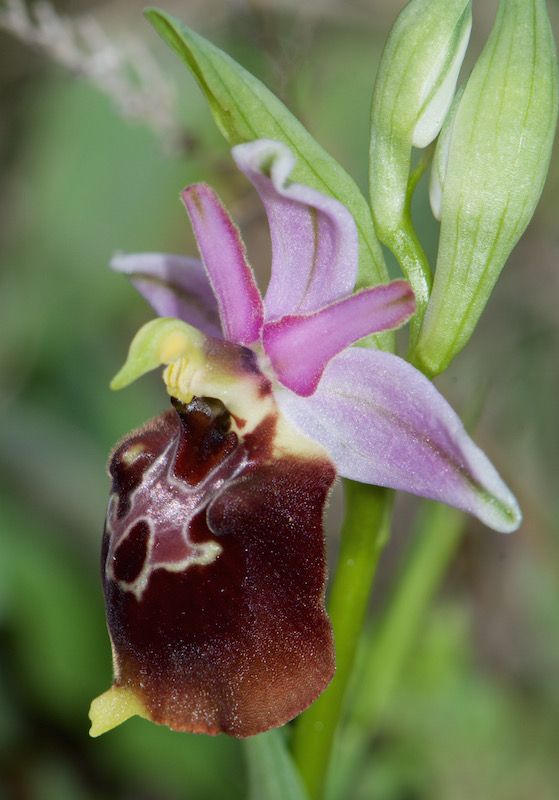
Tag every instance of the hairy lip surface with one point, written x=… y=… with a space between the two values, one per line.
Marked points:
x=214 y=573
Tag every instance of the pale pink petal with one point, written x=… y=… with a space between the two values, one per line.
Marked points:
x=384 y=423
x=300 y=347
x=174 y=286
x=224 y=257
x=314 y=238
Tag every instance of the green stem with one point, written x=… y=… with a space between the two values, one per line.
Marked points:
x=418 y=171
x=407 y=248
x=436 y=534
x=410 y=254
x=386 y=646
x=271 y=772
x=364 y=534
x=435 y=540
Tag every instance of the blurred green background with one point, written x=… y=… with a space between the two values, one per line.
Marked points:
x=476 y=711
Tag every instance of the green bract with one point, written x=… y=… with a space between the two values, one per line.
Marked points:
x=413 y=92
x=490 y=171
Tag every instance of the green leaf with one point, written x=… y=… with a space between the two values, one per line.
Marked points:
x=244 y=110
x=271 y=772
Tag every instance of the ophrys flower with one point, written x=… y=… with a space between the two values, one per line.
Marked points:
x=213 y=559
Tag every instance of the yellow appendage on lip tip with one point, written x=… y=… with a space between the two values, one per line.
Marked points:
x=112 y=708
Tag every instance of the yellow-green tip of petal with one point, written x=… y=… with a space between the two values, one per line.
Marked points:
x=158 y=342
x=112 y=708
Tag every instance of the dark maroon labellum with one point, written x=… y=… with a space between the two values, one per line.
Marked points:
x=214 y=572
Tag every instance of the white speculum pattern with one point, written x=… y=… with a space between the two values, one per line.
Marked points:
x=166 y=505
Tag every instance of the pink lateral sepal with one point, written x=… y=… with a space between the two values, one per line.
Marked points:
x=383 y=422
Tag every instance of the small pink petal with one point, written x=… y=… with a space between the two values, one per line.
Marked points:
x=314 y=238
x=300 y=347
x=174 y=286
x=224 y=257
x=384 y=423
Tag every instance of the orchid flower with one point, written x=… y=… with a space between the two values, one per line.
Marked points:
x=213 y=558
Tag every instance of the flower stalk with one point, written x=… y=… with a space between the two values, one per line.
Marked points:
x=386 y=646
x=409 y=251
x=365 y=533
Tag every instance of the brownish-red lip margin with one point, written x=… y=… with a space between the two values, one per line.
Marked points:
x=241 y=644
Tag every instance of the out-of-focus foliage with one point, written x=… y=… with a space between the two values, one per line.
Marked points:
x=475 y=715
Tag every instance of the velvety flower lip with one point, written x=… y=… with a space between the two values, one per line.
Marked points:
x=214 y=573
x=379 y=419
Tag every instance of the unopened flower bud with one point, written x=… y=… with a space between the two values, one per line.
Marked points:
x=492 y=174
x=413 y=92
